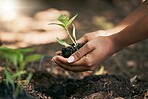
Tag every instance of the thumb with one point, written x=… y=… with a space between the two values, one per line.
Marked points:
x=80 y=53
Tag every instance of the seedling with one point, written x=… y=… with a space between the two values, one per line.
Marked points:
x=69 y=49
x=16 y=58
x=65 y=22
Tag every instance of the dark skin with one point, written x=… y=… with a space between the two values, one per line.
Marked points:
x=102 y=44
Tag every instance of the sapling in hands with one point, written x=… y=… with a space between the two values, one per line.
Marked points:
x=65 y=22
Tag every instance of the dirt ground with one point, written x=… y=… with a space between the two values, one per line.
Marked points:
x=31 y=29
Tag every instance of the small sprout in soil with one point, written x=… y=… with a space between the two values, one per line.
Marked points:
x=65 y=22
x=16 y=58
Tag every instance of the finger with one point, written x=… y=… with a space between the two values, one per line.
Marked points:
x=53 y=58
x=58 y=52
x=81 y=62
x=61 y=58
x=76 y=66
x=70 y=68
x=88 y=47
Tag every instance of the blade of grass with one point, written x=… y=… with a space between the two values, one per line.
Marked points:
x=28 y=78
x=17 y=74
x=8 y=77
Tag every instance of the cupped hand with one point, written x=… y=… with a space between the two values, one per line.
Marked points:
x=90 y=56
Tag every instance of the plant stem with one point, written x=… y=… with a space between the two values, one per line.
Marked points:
x=17 y=90
x=70 y=37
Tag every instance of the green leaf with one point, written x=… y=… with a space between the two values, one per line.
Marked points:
x=60 y=24
x=24 y=50
x=62 y=42
x=9 y=78
x=20 y=58
x=28 y=78
x=63 y=19
x=4 y=49
x=71 y=20
x=74 y=32
x=13 y=59
x=18 y=74
x=33 y=57
x=9 y=54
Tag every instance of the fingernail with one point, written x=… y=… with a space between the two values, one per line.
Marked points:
x=70 y=59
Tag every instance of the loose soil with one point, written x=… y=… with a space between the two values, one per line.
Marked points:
x=45 y=85
x=67 y=51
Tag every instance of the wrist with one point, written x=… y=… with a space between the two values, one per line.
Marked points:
x=111 y=31
x=114 y=44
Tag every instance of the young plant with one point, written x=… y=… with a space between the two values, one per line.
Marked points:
x=65 y=22
x=16 y=58
x=69 y=49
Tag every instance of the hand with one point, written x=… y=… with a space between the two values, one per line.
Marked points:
x=88 y=37
x=92 y=35
x=90 y=56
